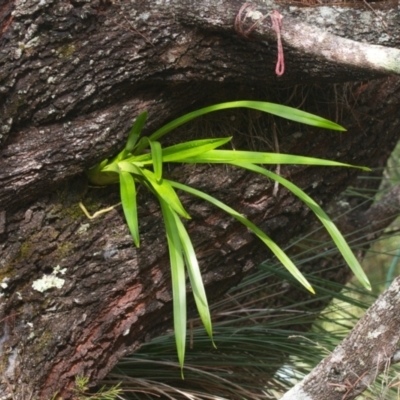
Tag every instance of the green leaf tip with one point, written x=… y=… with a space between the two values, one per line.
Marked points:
x=128 y=199
x=279 y=110
x=136 y=131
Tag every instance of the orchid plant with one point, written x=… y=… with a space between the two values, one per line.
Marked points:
x=136 y=165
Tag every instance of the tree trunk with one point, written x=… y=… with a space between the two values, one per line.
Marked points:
x=73 y=76
x=369 y=349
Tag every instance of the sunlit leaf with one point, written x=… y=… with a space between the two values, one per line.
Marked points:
x=165 y=191
x=132 y=137
x=128 y=199
x=130 y=167
x=279 y=110
x=178 y=279
x=195 y=276
x=136 y=131
x=183 y=150
x=111 y=167
x=254 y=157
x=157 y=158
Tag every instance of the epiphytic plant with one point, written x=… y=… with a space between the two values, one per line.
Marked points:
x=134 y=165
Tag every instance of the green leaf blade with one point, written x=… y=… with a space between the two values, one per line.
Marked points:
x=166 y=192
x=279 y=253
x=180 y=152
x=132 y=137
x=178 y=279
x=136 y=131
x=130 y=167
x=128 y=199
x=296 y=115
x=286 y=112
x=195 y=277
x=186 y=150
x=157 y=159
x=254 y=157
x=334 y=232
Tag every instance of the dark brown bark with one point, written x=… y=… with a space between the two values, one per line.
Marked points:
x=73 y=76
x=68 y=69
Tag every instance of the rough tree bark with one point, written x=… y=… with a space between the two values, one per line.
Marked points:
x=369 y=349
x=74 y=74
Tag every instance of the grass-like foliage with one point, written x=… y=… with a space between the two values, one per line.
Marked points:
x=134 y=164
x=82 y=391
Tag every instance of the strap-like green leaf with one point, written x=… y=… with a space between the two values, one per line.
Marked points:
x=279 y=253
x=154 y=158
x=132 y=137
x=195 y=277
x=178 y=279
x=337 y=237
x=128 y=199
x=254 y=157
x=182 y=150
x=136 y=131
x=185 y=150
x=157 y=158
x=290 y=113
x=165 y=191
x=130 y=167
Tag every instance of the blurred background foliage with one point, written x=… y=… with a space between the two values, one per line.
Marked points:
x=262 y=349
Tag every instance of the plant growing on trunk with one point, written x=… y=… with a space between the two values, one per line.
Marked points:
x=136 y=165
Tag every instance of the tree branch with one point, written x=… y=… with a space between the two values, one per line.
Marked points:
x=365 y=353
x=68 y=69
x=308 y=35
